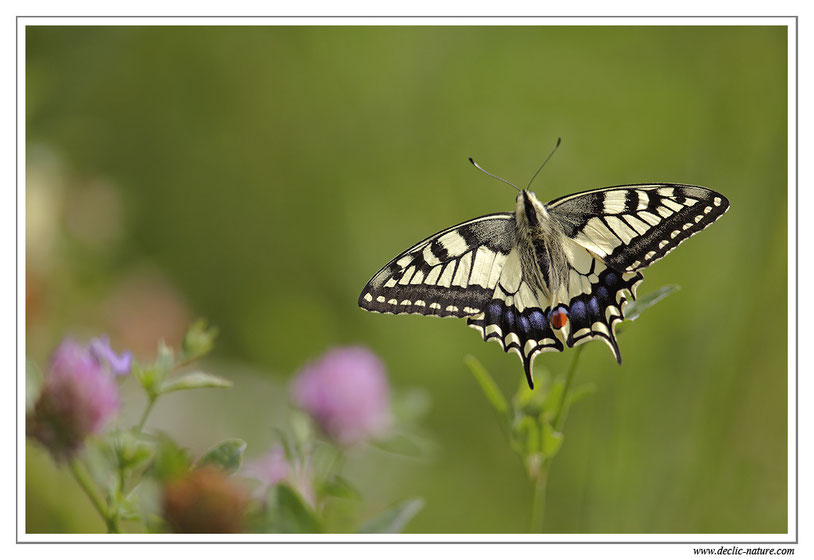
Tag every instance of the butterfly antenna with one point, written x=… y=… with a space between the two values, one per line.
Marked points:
x=546 y=161
x=472 y=161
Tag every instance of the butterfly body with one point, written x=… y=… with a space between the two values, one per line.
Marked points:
x=549 y=275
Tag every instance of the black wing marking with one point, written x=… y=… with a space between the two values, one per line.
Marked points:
x=632 y=226
x=594 y=315
x=450 y=274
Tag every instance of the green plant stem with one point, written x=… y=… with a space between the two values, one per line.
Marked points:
x=121 y=478
x=538 y=500
x=145 y=414
x=111 y=521
x=541 y=479
x=339 y=462
x=559 y=419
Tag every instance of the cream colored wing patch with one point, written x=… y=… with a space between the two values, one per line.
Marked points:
x=631 y=226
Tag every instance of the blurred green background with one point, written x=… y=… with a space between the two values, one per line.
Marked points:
x=258 y=176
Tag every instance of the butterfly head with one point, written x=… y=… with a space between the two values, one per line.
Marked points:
x=529 y=210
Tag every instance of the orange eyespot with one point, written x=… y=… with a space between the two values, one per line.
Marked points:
x=559 y=318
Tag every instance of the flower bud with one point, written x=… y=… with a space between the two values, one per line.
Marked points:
x=205 y=500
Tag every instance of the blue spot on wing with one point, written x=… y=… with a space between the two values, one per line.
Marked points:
x=594 y=310
x=493 y=313
x=537 y=319
x=523 y=327
x=509 y=317
x=579 y=312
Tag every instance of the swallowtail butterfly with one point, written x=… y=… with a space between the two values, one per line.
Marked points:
x=546 y=275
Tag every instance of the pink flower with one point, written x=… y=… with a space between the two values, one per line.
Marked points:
x=274 y=468
x=78 y=396
x=271 y=469
x=346 y=393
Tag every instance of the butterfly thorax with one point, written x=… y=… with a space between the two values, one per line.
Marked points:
x=541 y=243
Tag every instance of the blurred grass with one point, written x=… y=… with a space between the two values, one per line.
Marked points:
x=268 y=172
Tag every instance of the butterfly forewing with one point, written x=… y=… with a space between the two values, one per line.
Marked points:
x=632 y=226
x=450 y=274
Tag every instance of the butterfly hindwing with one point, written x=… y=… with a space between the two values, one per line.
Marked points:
x=593 y=301
x=514 y=317
x=450 y=274
x=596 y=301
x=632 y=226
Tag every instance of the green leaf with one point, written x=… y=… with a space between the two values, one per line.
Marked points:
x=302 y=431
x=339 y=487
x=488 y=386
x=131 y=450
x=400 y=444
x=635 y=308
x=33 y=382
x=170 y=460
x=394 y=519
x=130 y=509
x=526 y=434
x=553 y=398
x=551 y=440
x=165 y=360
x=195 y=380
x=227 y=455
x=578 y=393
x=290 y=448
x=290 y=514
x=150 y=378
x=199 y=340
x=152 y=375
x=531 y=401
x=410 y=405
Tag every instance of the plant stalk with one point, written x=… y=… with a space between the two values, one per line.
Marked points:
x=559 y=419
x=538 y=500
x=145 y=414
x=85 y=483
x=541 y=480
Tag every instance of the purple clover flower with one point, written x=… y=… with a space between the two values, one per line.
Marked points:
x=274 y=468
x=346 y=393
x=78 y=396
